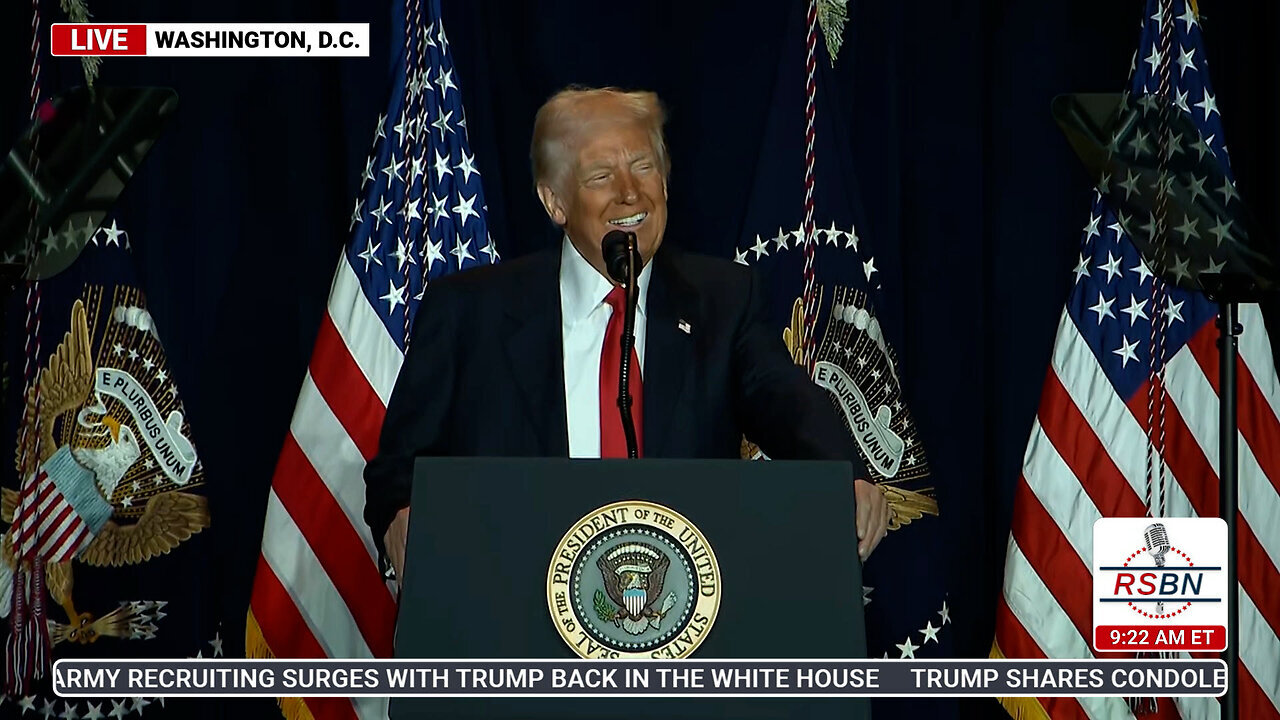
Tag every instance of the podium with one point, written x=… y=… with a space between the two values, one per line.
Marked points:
x=483 y=533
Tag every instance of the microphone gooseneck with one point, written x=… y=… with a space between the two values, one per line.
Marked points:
x=622 y=261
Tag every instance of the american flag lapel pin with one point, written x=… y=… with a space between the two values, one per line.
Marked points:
x=684 y=327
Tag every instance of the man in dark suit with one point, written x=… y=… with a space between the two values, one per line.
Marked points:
x=520 y=359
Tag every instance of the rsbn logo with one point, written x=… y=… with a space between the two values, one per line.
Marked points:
x=1159 y=584
x=1165 y=588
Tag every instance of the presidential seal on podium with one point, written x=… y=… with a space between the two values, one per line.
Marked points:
x=633 y=579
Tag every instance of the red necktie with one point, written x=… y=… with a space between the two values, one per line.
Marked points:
x=613 y=442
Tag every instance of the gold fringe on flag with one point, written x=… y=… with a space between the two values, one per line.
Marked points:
x=256 y=648
x=1019 y=708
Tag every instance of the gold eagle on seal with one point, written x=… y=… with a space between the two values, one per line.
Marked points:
x=99 y=449
x=634 y=575
x=905 y=506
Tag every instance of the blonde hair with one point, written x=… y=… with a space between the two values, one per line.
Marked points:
x=564 y=115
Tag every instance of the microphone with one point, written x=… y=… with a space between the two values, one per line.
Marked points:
x=1157 y=541
x=614 y=246
x=622 y=260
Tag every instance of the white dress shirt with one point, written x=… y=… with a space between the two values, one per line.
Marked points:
x=584 y=318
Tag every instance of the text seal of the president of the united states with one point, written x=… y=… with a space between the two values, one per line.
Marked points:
x=633 y=579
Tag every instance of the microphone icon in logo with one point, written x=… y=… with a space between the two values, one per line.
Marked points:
x=1157 y=542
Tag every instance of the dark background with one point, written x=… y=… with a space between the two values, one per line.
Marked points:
x=238 y=216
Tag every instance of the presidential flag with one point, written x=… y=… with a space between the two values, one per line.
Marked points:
x=107 y=534
x=801 y=234
x=1128 y=418
x=420 y=214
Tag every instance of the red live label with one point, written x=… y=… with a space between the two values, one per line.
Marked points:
x=1209 y=638
x=97 y=39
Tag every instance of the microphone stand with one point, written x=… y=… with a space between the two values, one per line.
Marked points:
x=628 y=343
x=1228 y=290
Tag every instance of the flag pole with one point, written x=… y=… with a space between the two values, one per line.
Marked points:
x=1228 y=290
x=1228 y=345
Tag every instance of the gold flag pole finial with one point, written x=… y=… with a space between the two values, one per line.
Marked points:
x=77 y=11
x=832 y=15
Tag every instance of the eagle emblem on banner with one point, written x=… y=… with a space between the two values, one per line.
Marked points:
x=855 y=364
x=107 y=465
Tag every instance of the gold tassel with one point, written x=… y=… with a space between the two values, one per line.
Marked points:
x=255 y=647
x=1019 y=708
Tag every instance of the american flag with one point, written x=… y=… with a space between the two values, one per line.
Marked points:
x=1088 y=452
x=420 y=214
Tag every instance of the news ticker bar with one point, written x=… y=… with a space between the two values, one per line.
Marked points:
x=209 y=39
x=638 y=678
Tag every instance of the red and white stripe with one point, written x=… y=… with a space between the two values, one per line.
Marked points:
x=47 y=526
x=318 y=591
x=1085 y=459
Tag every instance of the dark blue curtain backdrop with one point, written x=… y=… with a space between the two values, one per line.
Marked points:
x=967 y=189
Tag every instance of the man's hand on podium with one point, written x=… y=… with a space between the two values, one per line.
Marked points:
x=873 y=518
x=397 y=537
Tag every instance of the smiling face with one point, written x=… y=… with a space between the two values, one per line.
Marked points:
x=614 y=181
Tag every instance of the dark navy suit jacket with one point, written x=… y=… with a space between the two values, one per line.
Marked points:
x=484 y=374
